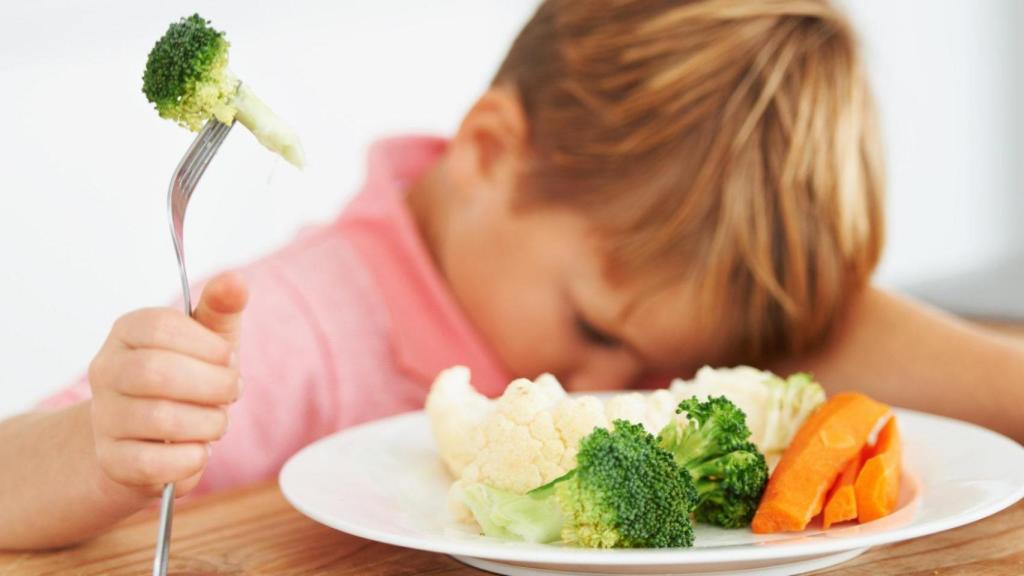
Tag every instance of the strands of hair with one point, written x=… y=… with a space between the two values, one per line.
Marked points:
x=728 y=143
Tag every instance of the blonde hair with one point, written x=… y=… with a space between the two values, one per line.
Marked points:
x=730 y=143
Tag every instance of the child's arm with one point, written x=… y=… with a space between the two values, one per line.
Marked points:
x=910 y=355
x=160 y=387
x=52 y=489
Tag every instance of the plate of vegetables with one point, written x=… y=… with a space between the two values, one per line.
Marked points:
x=737 y=471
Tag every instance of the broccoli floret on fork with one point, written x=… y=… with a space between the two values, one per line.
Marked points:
x=188 y=80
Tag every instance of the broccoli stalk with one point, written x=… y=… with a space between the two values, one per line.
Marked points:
x=727 y=470
x=624 y=492
x=188 y=80
x=533 y=517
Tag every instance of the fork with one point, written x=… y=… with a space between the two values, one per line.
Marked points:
x=183 y=183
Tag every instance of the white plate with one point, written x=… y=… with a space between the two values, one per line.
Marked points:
x=384 y=481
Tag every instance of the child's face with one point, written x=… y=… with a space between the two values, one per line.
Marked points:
x=531 y=278
x=532 y=284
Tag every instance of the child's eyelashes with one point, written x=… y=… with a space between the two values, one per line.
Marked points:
x=593 y=335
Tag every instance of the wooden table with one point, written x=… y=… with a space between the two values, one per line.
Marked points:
x=254 y=531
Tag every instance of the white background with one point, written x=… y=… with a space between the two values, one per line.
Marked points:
x=85 y=160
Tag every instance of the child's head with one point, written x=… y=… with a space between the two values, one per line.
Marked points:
x=699 y=180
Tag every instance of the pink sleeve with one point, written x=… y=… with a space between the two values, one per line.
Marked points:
x=73 y=394
x=286 y=401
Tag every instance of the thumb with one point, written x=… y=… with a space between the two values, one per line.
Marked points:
x=221 y=305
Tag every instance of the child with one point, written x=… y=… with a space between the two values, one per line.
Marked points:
x=646 y=187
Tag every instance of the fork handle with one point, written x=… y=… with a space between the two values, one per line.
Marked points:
x=186 y=292
x=163 y=538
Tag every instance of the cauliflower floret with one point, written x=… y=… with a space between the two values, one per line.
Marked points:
x=743 y=386
x=456 y=409
x=530 y=438
x=631 y=406
x=652 y=410
x=520 y=445
x=661 y=408
x=575 y=418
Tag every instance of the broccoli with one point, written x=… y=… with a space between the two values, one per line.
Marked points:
x=188 y=80
x=624 y=492
x=727 y=470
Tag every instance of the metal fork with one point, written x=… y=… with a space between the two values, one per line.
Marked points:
x=183 y=183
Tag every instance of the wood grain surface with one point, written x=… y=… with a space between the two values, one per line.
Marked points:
x=255 y=531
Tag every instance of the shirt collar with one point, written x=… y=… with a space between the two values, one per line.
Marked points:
x=429 y=330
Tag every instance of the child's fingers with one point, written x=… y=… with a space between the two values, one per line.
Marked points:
x=126 y=418
x=184 y=486
x=142 y=464
x=221 y=305
x=170 y=329
x=173 y=376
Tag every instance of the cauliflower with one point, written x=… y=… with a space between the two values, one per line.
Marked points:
x=455 y=409
x=530 y=439
x=652 y=410
x=525 y=438
x=529 y=436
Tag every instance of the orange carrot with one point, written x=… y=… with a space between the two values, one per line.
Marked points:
x=878 y=483
x=841 y=504
x=826 y=441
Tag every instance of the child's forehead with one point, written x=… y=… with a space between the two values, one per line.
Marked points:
x=655 y=307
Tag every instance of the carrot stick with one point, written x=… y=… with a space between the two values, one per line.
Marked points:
x=841 y=503
x=878 y=483
x=826 y=441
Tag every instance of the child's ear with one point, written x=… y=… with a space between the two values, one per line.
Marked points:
x=491 y=143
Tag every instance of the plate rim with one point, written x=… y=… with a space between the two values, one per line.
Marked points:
x=648 y=556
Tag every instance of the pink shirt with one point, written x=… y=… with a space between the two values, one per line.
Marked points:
x=349 y=322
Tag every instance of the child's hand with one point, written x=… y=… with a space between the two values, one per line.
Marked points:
x=161 y=385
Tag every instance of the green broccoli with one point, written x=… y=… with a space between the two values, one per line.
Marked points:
x=624 y=492
x=728 y=471
x=188 y=79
